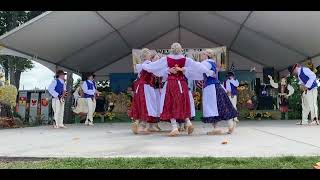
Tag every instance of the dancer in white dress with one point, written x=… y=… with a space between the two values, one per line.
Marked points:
x=216 y=104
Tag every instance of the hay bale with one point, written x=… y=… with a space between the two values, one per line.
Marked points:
x=6 y=122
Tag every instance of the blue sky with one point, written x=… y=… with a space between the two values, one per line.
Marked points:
x=39 y=77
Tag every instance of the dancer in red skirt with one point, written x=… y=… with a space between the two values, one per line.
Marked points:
x=175 y=102
x=154 y=127
x=144 y=108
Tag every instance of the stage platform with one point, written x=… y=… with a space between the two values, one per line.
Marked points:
x=264 y=138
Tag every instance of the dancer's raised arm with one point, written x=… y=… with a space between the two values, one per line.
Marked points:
x=156 y=67
x=195 y=70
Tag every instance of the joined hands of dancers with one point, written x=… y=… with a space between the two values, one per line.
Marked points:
x=173 y=102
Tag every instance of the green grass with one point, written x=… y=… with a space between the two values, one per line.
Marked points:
x=288 y=162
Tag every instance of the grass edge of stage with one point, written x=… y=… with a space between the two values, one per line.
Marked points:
x=285 y=162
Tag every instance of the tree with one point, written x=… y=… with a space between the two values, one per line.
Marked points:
x=294 y=99
x=14 y=66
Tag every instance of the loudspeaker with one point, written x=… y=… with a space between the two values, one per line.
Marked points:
x=258 y=87
x=267 y=71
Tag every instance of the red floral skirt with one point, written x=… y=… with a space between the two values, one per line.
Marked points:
x=138 y=110
x=176 y=104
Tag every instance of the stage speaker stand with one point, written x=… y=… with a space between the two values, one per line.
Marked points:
x=267 y=71
x=258 y=87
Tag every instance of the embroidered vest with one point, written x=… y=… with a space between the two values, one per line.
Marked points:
x=234 y=90
x=211 y=80
x=176 y=63
x=90 y=87
x=304 y=78
x=147 y=78
x=59 y=87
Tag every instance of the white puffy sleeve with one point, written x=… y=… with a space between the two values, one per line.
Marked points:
x=165 y=73
x=228 y=87
x=273 y=84
x=195 y=70
x=291 y=90
x=156 y=67
x=86 y=90
x=235 y=82
x=139 y=67
x=52 y=87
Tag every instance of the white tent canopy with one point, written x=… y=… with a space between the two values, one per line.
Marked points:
x=101 y=41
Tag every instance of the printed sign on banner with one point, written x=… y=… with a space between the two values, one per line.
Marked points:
x=22 y=104
x=33 y=112
x=45 y=106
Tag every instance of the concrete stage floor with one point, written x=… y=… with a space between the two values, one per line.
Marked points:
x=251 y=138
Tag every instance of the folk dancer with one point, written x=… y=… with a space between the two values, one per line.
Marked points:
x=309 y=86
x=284 y=91
x=183 y=126
x=216 y=103
x=231 y=85
x=90 y=92
x=57 y=90
x=154 y=127
x=144 y=105
x=175 y=102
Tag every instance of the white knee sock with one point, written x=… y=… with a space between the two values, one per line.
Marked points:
x=230 y=123
x=173 y=123
x=188 y=122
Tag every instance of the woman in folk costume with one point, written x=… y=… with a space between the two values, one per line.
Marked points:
x=57 y=90
x=231 y=85
x=215 y=101
x=90 y=92
x=144 y=104
x=284 y=91
x=175 y=102
x=183 y=125
x=309 y=87
x=81 y=106
x=153 y=127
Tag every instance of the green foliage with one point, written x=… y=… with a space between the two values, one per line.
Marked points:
x=295 y=108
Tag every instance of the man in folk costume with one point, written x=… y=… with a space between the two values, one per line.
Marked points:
x=144 y=105
x=231 y=85
x=175 y=102
x=284 y=91
x=90 y=92
x=308 y=85
x=215 y=101
x=57 y=90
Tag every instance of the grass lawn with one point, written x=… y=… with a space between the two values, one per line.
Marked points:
x=161 y=163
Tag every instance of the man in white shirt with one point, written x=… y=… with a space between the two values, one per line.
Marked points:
x=57 y=89
x=90 y=92
x=308 y=84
